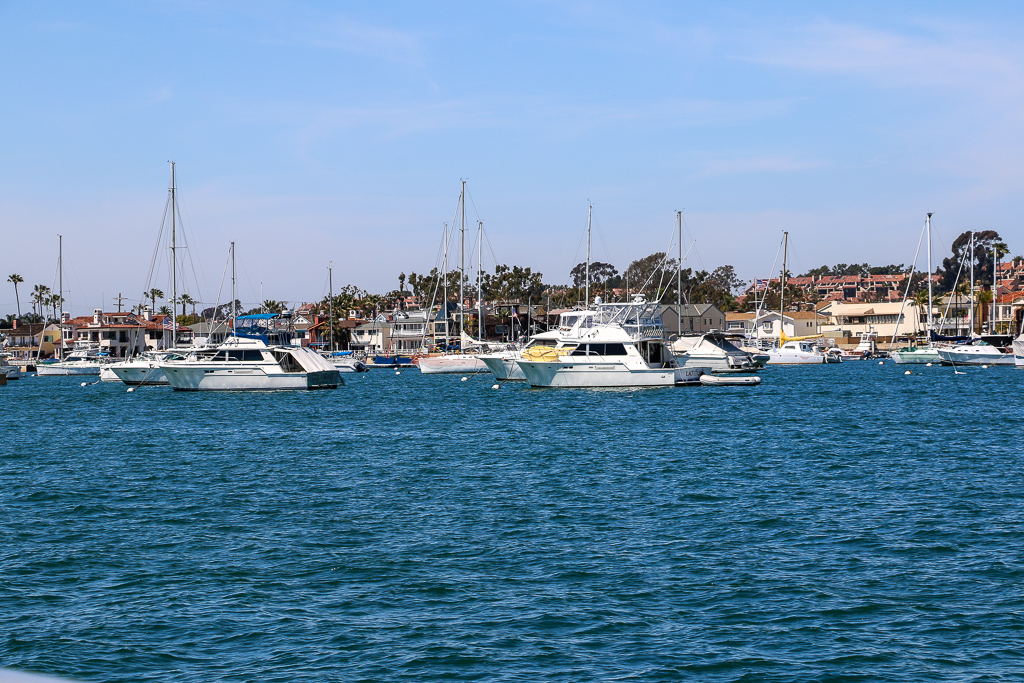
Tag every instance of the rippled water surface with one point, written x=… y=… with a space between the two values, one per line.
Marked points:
x=836 y=523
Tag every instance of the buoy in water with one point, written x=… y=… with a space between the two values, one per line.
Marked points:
x=908 y=372
x=927 y=365
x=84 y=383
x=464 y=379
x=398 y=372
x=495 y=386
x=131 y=389
x=984 y=367
x=881 y=362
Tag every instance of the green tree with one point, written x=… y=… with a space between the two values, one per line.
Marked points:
x=984 y=263
x=153 y=295
x=185 y=300
x=15 y=279
x=272 y=306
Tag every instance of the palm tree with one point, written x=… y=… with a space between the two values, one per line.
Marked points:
x=39 y=295
x=184 y=300
x=153 y=295
x=55 y=301
x=271 y=306
x=16 y=279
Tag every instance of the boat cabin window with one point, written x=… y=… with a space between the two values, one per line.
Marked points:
x=569 y=320
x=240 y=354
x=600 y=350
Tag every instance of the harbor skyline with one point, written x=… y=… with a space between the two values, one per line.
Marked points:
x=309 y=135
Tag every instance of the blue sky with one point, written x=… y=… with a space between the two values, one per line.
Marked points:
x=314 y=132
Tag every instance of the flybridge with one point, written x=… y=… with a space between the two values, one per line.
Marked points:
x=270 y=328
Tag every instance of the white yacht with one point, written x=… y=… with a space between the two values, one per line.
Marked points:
x=504 y=365
x=799 y=352
x=8 y=369
x=916 y=354
x=257 y=358
x=713 y=350
x=145 y=369
x=978 y=352
x=84 y=359
x=452 y=363
x=616 y=345
x=1018 y=351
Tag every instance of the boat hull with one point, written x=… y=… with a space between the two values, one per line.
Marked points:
x=139 y=375
x=988 y=356
x=916 y=356
x=504 y=368
x=65 y=370
x=199 y=378
x=798 y=358
x=597 y=375
x=10 y=371
x=439 y=365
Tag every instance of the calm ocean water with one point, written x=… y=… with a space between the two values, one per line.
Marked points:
x=837 y=523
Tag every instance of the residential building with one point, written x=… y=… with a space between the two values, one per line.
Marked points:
x=694 y=318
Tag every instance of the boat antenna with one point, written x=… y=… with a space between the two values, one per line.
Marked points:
x=330 y=294
x=586 y=300
x=679 y=274
x=174 y=270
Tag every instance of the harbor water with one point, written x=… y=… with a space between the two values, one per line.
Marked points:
x=837 y=523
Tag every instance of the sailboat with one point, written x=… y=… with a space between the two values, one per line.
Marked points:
x=258 y=356
x=794 y=350
x=467 y=359
x=929 y=353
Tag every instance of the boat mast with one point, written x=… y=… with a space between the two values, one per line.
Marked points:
x=233 y=299
x=928 y=224
x=60 y=292
x=782 y=290
x=444 y=278
x=174 y=260
x=679 y=274
x=995 y=284
x=972 y=282
x=479 y=292
x=586 y=300
x=330 y=293
x=462 y=260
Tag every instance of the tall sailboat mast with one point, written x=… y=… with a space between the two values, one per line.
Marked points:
x=462 y=259
x=60 y=291
x=479 y=292
x=782 y=290
x=330 y=294
x=586 y=301
x=679 y=274
x=444 y=280
x=174 y=259
x=234 y=313
x=972 y=282
x=928 y=228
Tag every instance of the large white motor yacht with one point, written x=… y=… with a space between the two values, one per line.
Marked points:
x=617 y=345
x=254 y=359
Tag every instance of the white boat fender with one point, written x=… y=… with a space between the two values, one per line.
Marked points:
x=85 y=384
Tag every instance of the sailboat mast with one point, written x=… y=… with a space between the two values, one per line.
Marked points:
x=462 y=259
x=174 y=260
x=972 y=282
x=444 y=279
x=782 y=290
x=330 y=293
x=60 y=291
x=586 y=301
x=928 y=224
x=479 y=292
x=233 y=296
x=679 y=273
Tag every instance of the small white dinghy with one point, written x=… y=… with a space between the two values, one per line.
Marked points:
x=730 y=380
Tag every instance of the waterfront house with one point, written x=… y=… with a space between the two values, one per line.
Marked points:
x=691 y=318
x=768 y=324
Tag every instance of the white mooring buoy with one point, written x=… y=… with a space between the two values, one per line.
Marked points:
x=908 y=372
x=131 y=389
x=464 y=379
x=927 y=365
x=984 y=367
x=84 y=384
x=881 y=362
x=495 y=386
